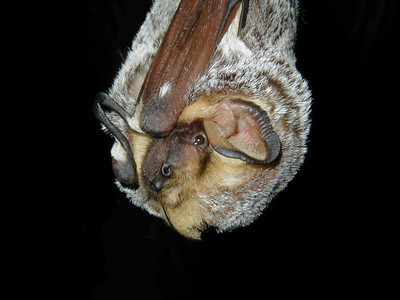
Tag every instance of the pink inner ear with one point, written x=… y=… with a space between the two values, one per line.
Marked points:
x=238 y=131
x=225 y=118
x=241 y=130
x=247 y=137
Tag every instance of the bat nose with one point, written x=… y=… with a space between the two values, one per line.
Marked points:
x=158 y=181
x=157 y=184
x=166 y=170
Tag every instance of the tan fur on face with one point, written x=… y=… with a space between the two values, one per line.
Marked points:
x=180 y=202
x=140 y=144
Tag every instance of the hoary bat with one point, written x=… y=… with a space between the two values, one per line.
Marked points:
x=209 y=113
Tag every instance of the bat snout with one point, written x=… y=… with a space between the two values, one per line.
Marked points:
x=157 y=183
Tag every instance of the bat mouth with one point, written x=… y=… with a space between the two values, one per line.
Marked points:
x=190 y=41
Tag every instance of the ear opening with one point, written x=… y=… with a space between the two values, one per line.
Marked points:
x=242 y=130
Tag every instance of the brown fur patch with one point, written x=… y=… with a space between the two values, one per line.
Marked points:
x=180 y=201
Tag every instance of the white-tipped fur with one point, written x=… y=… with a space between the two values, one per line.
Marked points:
x=259 y=63
x=118 y=153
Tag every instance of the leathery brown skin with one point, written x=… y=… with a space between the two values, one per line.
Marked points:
x=194 y=32
x=198 y=171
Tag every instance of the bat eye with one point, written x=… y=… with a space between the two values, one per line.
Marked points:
x=199 y=140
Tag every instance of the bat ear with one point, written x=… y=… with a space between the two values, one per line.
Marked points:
x=241 y=130
x=123 y=164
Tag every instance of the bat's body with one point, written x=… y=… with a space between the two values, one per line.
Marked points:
x=209 y=112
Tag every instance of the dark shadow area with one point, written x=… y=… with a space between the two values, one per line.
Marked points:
x=68 y=233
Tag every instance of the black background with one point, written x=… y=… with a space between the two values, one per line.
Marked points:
x=69 y=234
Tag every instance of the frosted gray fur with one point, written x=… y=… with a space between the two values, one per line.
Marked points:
x=255 y=62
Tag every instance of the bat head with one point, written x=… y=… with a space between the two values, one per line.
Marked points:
x=217 y=145
x=212 y=123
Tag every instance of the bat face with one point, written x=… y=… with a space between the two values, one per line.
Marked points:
x=217 y=144
x=206 y=136
x=174 y=174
